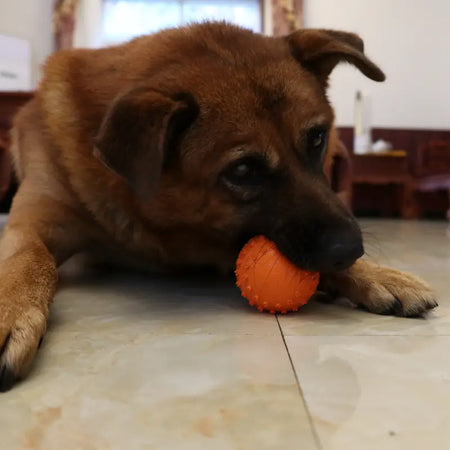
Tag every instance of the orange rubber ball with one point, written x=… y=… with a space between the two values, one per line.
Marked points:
x=269 y=281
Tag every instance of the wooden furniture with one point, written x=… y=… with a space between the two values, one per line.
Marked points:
x=10 y=102
x=390 y=168
x=407 y=182
x=423 y=171
x=430 y=169
x=403 y=138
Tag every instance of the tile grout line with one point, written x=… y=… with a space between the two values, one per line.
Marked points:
x=311 y=423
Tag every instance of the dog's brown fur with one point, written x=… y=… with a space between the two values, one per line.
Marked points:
x=123 y=151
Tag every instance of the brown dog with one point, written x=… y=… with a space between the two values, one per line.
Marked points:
x=171 y=151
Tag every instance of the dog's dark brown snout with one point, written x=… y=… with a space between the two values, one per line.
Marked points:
x=322 y=247
x=319 y=233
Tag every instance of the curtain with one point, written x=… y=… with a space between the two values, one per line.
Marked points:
x=286 y=16
x=64 y=13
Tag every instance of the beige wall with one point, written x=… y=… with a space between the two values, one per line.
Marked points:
x=30 y=20
x=410 y=40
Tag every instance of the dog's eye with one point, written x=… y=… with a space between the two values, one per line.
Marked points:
x=248 y=172
x=316 y=140
x=241 y=170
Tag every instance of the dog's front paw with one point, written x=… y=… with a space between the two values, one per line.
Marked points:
x=21 y=330
x=383 y=290
x=394 y=292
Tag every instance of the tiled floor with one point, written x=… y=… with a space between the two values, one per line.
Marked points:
x=133 y=362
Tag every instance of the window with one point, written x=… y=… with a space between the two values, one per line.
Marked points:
x=125 y=19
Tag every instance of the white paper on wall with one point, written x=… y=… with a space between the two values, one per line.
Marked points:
x=15 y=64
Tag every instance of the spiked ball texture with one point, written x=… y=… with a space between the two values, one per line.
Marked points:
x=270 y=281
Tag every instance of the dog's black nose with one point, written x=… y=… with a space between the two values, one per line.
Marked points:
x=341 y=256
x=339 y=250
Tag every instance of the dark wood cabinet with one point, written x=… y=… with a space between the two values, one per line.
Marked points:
x=10 y=102
x=406 y=182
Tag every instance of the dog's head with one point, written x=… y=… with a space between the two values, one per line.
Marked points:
x=228 y=140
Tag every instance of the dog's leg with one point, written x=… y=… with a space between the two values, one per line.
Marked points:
x=380 y=289
x=38 y=237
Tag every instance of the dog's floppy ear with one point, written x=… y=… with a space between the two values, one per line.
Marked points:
x=320 y=51
x=139 y=131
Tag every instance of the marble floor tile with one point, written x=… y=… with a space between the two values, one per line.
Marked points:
x=376 y=392
x=139 y=303
x=422 y=248
x=141 y=391
x=316 y=319
x=145 y=362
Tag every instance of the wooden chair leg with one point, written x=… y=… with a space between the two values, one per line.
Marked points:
x=409 y=205
x=448 y=210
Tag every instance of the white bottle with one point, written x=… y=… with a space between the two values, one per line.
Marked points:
x=362 y=141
